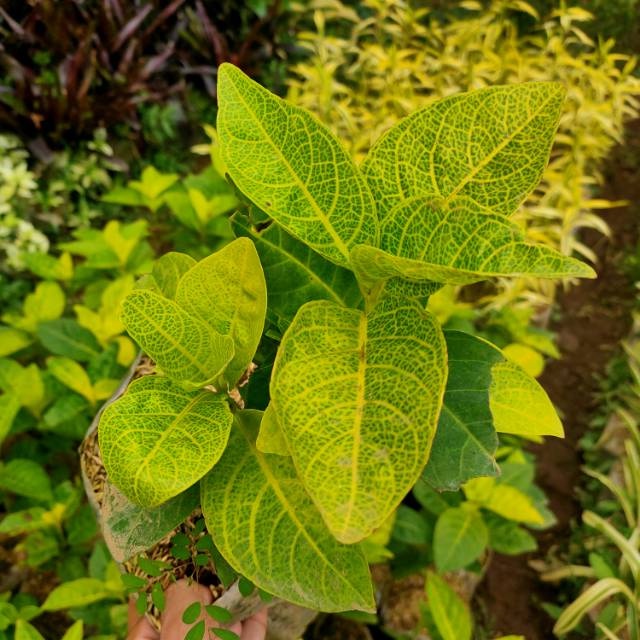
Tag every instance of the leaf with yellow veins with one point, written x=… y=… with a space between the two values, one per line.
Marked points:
x=158 y=440
x=489 y=145
x=185 y=348
x=519 y=405
x=227 y=290
x=456 y=244
x=293 y=168
x=357 y=398
x=267 y=528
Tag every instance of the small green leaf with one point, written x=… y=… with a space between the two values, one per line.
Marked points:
x=295 y=273
x=450 y=614
x=186 y=349
x=12 y=340
x=507 y=537
x=196 y=632
x=270 y=438
x=293 y=168
x=153 y=568
x=23 y=383
x=411 y=527
x=225 y=634
x=26 y=478
x=26 y=631
x=72 y=375
x=158 y=440
x=45 y=303
x=245 y=586
x=168 y=269
x=267 y=528
x=75 y=631
x=219 y=613
x=77 y=593
x=9 y=407
x=228 y=292
x=131 y=581
x=520 y=405
x=459 y=538
x=65 y=337
x=192 y=613
x=490 y=145
x=339 y=387
x=157 y=597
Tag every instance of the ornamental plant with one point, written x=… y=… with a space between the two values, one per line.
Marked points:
x=358 y=394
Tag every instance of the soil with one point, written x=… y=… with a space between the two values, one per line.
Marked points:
x=594 y=317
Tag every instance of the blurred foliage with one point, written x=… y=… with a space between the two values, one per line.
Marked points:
x=67 y=68
x=370 y=65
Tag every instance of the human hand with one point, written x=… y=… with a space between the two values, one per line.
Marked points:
x=179 y=596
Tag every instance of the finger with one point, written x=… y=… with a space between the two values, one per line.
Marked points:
x=142 y=630
x=255 y=627
x=179 y=596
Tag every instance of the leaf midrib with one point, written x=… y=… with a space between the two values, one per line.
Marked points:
x=324 y=219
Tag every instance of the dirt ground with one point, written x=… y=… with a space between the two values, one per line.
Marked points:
x=594 y=317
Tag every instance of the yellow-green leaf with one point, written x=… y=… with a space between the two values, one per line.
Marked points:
x=158 y=440
x=267 y=528
x=519 y=405
x=23 y=383
x=228 y=292
x=186 y=349
x=168 y=269
x=456 y=244
x=503 y=499
x=490 y=145
x=450 y=613
x=12 y=340
x=270 y=438
x=293 y=168
x=72 y=375
x=339 y=389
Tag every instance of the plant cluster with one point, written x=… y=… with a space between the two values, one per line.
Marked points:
x=359 y=394
x=69 y=68
x=370 y=64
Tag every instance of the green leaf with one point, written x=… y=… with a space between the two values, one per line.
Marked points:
x=45 y=303
x=411 y=527
x=267 y=528
x=459 y=538
x=157 y=440
x=65 y=409
x=75 y=631
x=225 y=634
x=26 y=478
x=152 y=183
x=65 y=337
x=168 y=269
x=77 y=593
x=506 y=536
x=270 y=438
x=503 y=499
x=219 y=613
x=20 y=522
x=186 y=349
x=520 y=405
x=339 y=388
x=227 y=291
x=192 y=613
x=12 y=340
x=48 y=267
x=196 y=632
x=23 y=383
x=72 y=375
x=465 y=440
x=9 y=407
x=293 y=168
x=456 y=244
x=450 y=614
x=26 y=631
x=296 y=274
x=490 y=145
x=129 y=529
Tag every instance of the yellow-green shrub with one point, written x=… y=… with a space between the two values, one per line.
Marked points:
x=362 y=74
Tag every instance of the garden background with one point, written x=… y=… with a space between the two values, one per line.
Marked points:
x=109 y=159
